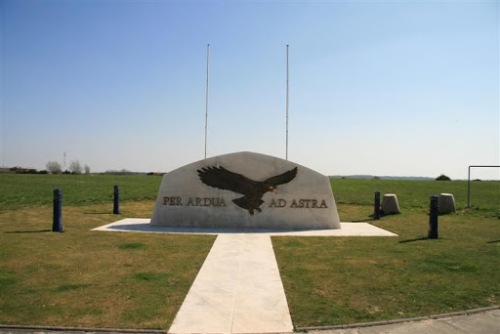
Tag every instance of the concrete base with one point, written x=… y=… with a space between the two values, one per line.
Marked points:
x=143 y=225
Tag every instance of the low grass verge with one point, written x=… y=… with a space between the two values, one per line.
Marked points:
x=95 y=279
x=331 y=281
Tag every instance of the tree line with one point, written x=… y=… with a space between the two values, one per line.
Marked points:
x=75 y=167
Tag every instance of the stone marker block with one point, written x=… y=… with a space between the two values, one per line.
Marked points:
x=446 y=203
x=390 y=204
x=246 y=190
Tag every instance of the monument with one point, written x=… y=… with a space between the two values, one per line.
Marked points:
x=246 y=191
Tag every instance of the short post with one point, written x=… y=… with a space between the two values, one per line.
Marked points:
x=57 y=212
x=116 y=200
x=433 y=217
x=376 y=209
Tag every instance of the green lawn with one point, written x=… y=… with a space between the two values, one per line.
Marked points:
x=93 y=279
x=331 y=281
x=85 y=278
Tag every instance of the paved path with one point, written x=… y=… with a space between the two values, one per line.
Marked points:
x=238 y=290
x=485 y=322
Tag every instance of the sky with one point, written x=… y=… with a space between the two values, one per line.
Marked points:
x=385 y=88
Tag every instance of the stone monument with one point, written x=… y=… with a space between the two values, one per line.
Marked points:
x=246 y=190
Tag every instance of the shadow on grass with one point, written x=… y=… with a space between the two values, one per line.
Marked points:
x=493 y=241
x=413 y=240
x=37 y=231
x=382 y=215
x=368 y=219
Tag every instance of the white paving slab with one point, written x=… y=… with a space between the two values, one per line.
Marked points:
x=346 y=230
x=238 y=290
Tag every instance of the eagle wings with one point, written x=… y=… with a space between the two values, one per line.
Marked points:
x=252 y=191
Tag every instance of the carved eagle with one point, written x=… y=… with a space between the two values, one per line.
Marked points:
x=219 y=177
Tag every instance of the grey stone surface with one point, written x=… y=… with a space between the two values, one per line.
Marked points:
x=390 y=204
x=233 y=191
x=487 y=322
x=446 y=203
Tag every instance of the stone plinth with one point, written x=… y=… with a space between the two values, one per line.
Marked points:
x=246 y=190
x=390 y=204
x=446 y=203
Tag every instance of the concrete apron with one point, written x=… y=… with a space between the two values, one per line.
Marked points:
x=238 y=290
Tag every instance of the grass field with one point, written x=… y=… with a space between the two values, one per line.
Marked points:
x=133 y=280
x=484 y=195
x=19 y=191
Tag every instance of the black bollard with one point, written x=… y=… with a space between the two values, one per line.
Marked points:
x=116 y=200
x=57 y=215
x=376 y=209
x=433 y=218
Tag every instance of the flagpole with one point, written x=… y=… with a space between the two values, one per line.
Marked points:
x=206 y=99
x=287 y=102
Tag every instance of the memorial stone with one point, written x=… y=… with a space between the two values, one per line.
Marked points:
x=246 y=190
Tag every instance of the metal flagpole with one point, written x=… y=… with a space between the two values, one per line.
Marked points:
x=287 y=102
x=206 y=100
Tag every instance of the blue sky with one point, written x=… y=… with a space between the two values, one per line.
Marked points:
x=382 y=88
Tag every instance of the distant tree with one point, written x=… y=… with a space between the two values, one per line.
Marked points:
x=75 y=167
x=87 y=169
x=443 y=177
x=118 y=172
x=53 y=167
